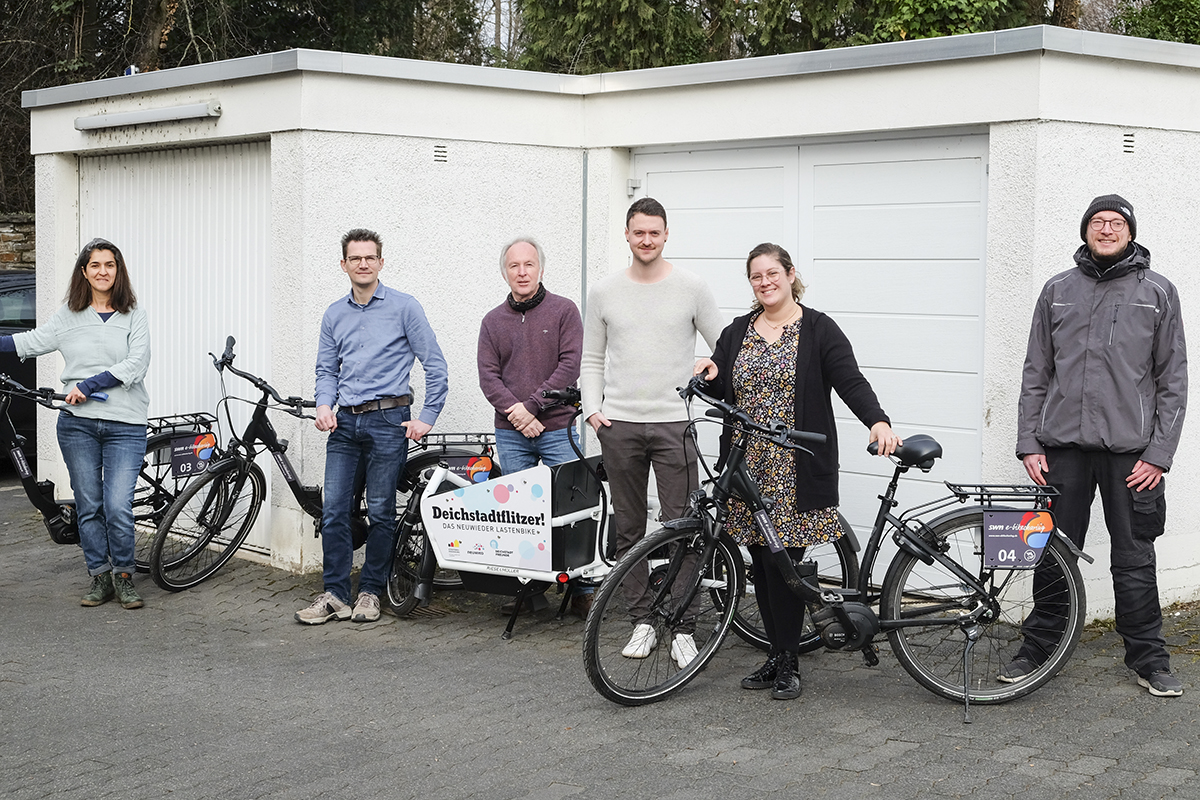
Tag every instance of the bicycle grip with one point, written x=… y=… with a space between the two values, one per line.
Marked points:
x=567 y=395
x=806 y=437
x=227 y=356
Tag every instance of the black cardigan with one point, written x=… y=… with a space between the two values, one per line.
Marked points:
x=824 y=360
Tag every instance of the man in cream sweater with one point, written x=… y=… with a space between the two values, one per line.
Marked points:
x=639 y=344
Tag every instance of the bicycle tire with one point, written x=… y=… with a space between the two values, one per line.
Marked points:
x=837 y=566
x=406 y=568
x=153 y=494
x=638 y=681
x=206 y=525
x=933 y=654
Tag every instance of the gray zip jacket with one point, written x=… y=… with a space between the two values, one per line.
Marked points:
x=1106 y=367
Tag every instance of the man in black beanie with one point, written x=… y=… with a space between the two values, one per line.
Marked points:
x=1103 y=395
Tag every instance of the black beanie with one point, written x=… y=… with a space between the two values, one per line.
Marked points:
x=1109 y=202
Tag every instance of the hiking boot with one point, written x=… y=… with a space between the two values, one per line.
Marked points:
x=101 y=591
x=787 y=678
x=581 y=604
x=366 y=608
x=1017 y=670
x=1162 y=684
x=323 y=609
x=764 y=676
x=127 y=596
x=641 y=643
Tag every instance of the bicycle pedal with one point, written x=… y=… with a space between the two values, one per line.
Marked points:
x=871 y=655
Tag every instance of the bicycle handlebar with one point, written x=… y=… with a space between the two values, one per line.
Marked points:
x=293 y=403
x=778 y=432
x=43 y=396
x=569 y=396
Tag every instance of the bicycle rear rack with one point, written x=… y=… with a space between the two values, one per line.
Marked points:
x=988 y=493
x=181 y=423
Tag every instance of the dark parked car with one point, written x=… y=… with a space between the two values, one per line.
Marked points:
x=18 y=312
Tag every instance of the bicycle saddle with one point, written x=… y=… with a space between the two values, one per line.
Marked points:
x=919 y=451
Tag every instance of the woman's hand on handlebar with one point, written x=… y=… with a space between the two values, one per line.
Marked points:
x=75 y=397
x=888 y=441
x=707 y=367
x=326 y=420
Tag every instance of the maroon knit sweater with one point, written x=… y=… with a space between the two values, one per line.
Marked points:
x=522 y=354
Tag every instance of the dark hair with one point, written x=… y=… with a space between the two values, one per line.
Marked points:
x=648 y=206
x=79 y=292
x=362 y=235
x=784 y=259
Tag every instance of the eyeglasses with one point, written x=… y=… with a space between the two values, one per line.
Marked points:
x=770 y=275
x=354 y=261
x=1117 y=225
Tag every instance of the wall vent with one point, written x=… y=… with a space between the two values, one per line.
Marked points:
x=441 y=153
x=1128 y=143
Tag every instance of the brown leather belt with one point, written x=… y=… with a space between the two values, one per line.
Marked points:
x=381 y=404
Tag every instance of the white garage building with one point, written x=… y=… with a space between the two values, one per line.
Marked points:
x=926 y=190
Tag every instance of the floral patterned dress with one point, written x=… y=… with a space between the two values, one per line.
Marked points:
x=764 y=381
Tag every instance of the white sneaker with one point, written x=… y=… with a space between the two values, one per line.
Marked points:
x=683 y=649
x=641 y=643
x=366 y=608
x=323 y=609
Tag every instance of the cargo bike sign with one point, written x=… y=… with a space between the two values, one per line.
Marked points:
x=1016 y=539
x=504 y=522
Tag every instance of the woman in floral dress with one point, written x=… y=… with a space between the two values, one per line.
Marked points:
x=779 y=362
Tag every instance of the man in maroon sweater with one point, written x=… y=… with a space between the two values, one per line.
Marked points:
x=530 y=342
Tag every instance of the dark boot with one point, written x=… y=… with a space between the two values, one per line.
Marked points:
x=126 y=594
x=101 y=590
x=764 y=676
x=787 y=678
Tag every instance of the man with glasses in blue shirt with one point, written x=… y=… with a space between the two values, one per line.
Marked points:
x=1103 y=396
x=369 y=341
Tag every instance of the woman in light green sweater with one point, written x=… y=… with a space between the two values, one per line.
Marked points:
x=104 y=340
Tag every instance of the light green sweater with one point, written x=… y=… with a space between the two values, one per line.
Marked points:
x=648 y=333
x=89 y=346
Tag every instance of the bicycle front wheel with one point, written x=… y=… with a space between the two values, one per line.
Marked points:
x=664 y=582
x=837 y=567
x=930 y=610
x=205 y=526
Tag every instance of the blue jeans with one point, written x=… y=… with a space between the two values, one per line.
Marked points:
x=552 y=447
x=103 y=458
x=378 y=438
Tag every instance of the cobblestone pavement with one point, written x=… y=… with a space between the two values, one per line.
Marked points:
x=218 y=693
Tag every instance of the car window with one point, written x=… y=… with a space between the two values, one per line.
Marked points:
x=18 y=308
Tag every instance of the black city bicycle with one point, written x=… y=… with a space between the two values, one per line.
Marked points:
x=214 y=514
x=156 y=486
x=953 y=618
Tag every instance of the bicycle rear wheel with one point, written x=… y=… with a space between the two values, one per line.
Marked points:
x=406 y=569
x=153 y=494
x=658 y=575
x=930 y=602
x=837 y=566
x=205 y=526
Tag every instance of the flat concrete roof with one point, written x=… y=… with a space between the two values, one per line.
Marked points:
x=1039 y=38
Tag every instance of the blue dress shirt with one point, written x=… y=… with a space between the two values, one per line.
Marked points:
x=366 y=352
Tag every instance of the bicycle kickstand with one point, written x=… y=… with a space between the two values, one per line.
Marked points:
x=973 y=633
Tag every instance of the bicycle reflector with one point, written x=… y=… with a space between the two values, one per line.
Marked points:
x=562 y=578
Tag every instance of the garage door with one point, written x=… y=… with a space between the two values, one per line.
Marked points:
x=194 y=226
x=890 y=238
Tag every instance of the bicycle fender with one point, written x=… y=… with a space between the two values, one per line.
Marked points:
x=684 y=524
x=1075 y=551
